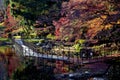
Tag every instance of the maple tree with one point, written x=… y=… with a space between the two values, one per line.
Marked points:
x=71 y=19
x=86 y=18
x=9 y=22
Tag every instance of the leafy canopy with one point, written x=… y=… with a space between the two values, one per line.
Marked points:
x=32 y=9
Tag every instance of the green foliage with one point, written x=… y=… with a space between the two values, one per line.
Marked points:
x=66 y=38
x=31 y=9
x=77 y=47
x=17 y=37
x=3 y=48
x=27 y=12
x=31 y=72
x=50 y=36
x=80 y=41
x=98 y=47
x=4 y=39
x=41 y=40
x=79 y=44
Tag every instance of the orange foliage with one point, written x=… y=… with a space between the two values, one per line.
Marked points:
x=9 y=22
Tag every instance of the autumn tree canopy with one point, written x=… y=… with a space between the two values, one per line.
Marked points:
x=71 y=19
x=85 y=18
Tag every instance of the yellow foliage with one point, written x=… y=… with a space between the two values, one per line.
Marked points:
x=108 y=26
x=118 y=22
x=17 y=37
x=104 y=16
x=18 y=30
x=9 y=52
x=1 y=24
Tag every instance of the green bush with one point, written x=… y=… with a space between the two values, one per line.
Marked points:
x=77 y=47
x=4 y=39
x=50 y=36
x=79 y=44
